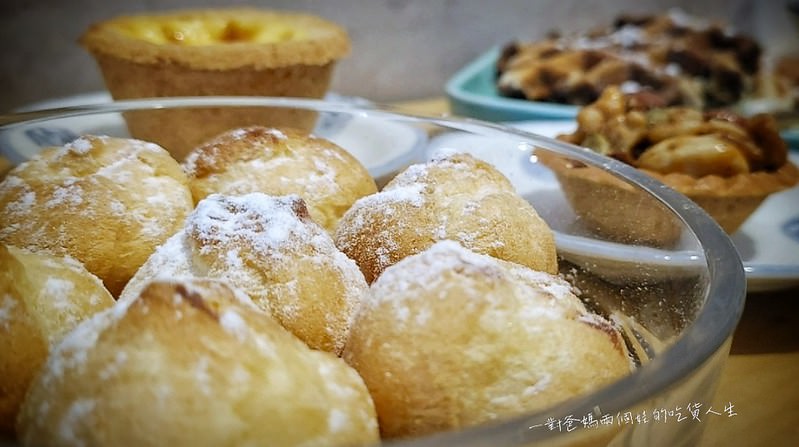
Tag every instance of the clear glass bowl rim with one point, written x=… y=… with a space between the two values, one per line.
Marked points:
x=713 y=325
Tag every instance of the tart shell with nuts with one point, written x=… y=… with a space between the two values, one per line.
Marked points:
x=727 y=164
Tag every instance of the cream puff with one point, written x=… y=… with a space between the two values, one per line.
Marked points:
x=454 y=196
x=107 y=202
x=449 y=338
x=278 y=162
x=271 y=249
x=192 y=363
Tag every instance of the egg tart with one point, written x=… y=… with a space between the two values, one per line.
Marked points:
x=215 y=52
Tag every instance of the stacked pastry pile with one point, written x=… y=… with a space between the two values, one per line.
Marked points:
x=264 y=291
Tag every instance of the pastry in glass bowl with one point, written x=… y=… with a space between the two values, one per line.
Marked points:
x=726 y=163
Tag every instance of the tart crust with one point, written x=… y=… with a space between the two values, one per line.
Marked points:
x=731 y=200
x=299 y=64
x=637 y=218
x=322 y=42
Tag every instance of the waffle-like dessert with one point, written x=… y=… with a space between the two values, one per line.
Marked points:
x=726 y=163
x=216 y=52
x=682 y=60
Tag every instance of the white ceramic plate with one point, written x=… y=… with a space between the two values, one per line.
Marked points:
x=397 y=144
x=768 y=242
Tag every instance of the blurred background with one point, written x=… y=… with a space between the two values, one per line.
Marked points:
x=402 y=49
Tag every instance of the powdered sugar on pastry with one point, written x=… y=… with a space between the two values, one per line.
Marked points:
x=269 y=248
x=450 y=331
x=192 y=348
x=453 y=196
x=130 y=193
x=280 y=162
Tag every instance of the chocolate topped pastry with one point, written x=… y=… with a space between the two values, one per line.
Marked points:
x=683 y=60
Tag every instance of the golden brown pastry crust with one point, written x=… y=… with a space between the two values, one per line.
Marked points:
x=324 y=42
x=271 y=249
x=42 y=297
x=134 y=67
x=730 y=201
x=279 y=162
x=634 y=216
x=193 y=363
x=753 y=184
x=454 y=197
x=450 y=339
x=107 y=202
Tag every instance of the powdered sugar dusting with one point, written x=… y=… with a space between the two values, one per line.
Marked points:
x=201 y=375
x=160 y=194
x=58 y=287
x=58 y=290
x=7 y=305
x=240 y=238
x=538 y=294
x=327 y=372
x=73 y=350
x=554 y=286
x=190 y=163
x=80 y=146
x=99 y=185
x=232 y=322
x=383 y=204
x=265 y=225
x=26 y=199
x=444 y=152
x=427 y=267
x=77 y=413
x=337 y=420
x=450 y=184
x=410 y=194
x=541 y=385
x=69 y=194
x=112 y=368
x=240 y=375
x=262 y=223
x=170 y=261
x=426 y=270
x=271 y=230
x=209 y=153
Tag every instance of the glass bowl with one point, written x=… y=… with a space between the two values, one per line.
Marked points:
x=677 y=299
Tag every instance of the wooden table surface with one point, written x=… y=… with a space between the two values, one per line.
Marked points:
x=761 y=377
